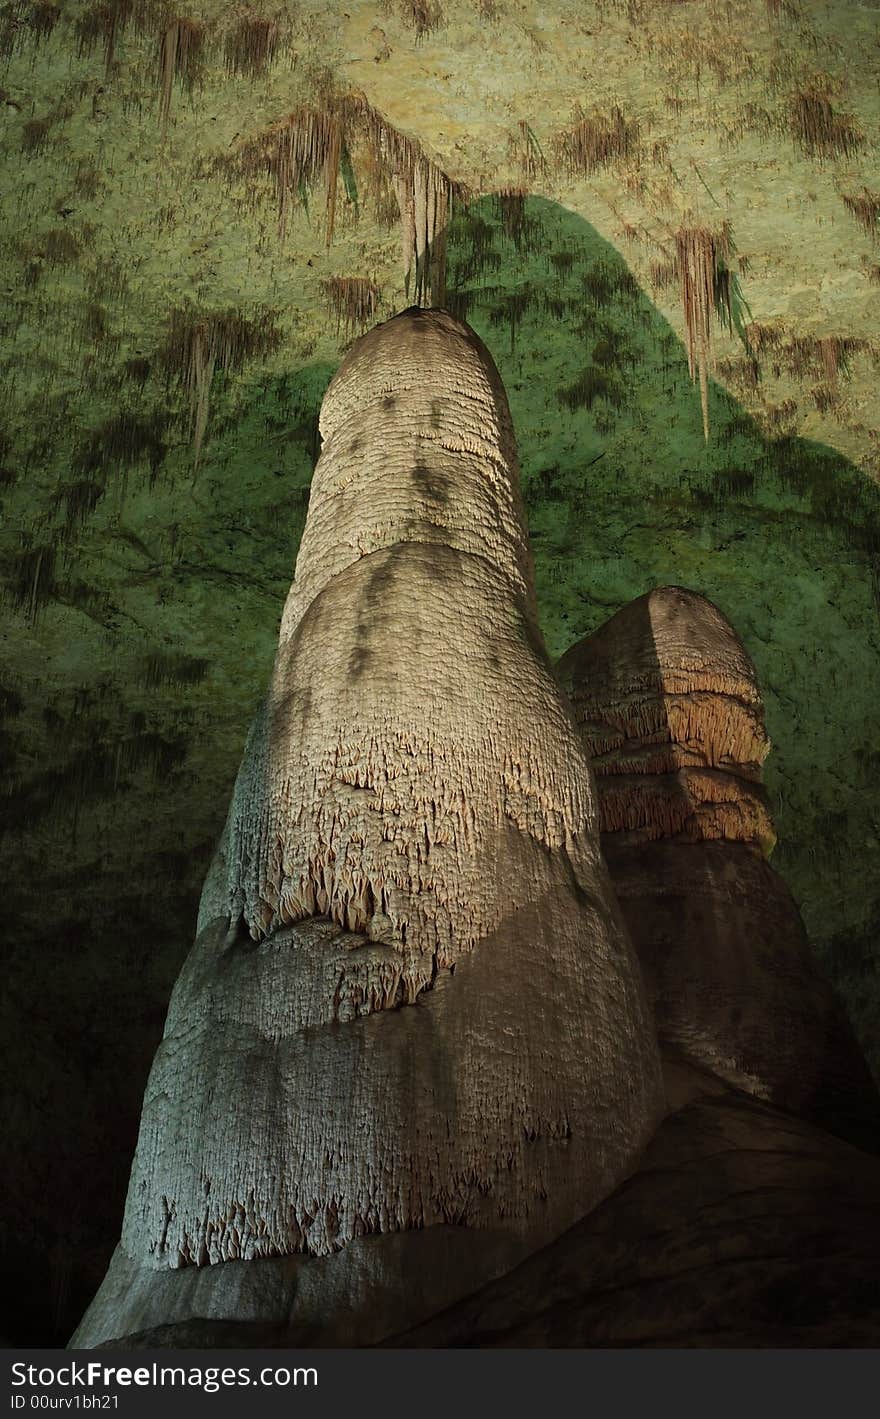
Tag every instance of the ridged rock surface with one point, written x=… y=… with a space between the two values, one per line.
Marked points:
x=670 y=710
x=668 y=702
x=412 y=1001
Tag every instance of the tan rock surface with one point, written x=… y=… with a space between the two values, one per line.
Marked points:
x=669 y=708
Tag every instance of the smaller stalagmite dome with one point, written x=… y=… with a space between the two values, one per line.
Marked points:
x=670 y=711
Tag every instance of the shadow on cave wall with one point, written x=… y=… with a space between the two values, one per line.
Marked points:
x=115 y=775
x=623 y=495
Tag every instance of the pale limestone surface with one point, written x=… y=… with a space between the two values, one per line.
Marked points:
x=412 y=1001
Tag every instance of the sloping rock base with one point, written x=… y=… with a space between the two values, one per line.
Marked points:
x=743 y=1227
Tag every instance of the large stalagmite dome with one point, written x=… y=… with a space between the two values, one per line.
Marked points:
x=412 y=1001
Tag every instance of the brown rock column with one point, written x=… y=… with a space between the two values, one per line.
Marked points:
x=670 y=711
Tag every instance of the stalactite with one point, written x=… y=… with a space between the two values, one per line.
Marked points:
x=61 y=247
x=743 y=374
x=35 y=135
x=31 y=581
x=596 y=140
x=137 y=369
x=313 y=144
x=165 y=668
x=251 y=46
x=592 y=385
x=27 y=22
x=817 y=357
x=826 y=399
x=865 y=207
x=696 y=261
x=105 y=22
x=817 y=128
x=331 y=174
x=511 y=204
x=200 y=376
x=708 y=286
x=528 y=153
x=180 y=50
x=353 y=300
x=423 y=16
x=295 y=153
x=87 y=179
x=80 y=500
x=663 y=274
x=424 y=197
x=197 y=344
x=121 y=442
x=42 y=19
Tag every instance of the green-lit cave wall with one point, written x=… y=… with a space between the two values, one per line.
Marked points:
x=143 y=575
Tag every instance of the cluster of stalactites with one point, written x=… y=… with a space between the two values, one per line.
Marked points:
x=668 y=704
x=423 y=196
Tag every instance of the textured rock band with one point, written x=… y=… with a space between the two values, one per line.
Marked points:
x=498 y=1027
